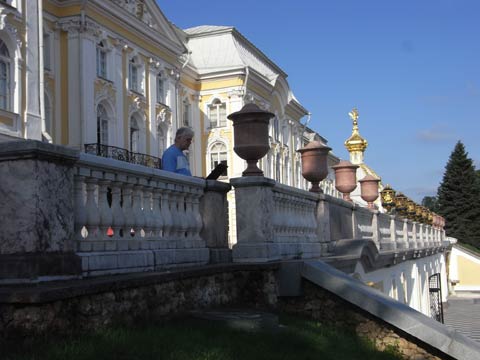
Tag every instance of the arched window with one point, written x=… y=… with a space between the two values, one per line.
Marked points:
x=134 y=135
x=102 y=125
x=218 y=155
x=101 y=60
x=4 y=77
x=217 y=113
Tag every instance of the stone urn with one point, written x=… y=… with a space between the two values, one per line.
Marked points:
x=369 y=190
x=314 y=163
x=345 y=178
x=250 y=130
x=388 y=198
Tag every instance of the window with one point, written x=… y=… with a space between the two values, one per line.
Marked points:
x=218 y=155
x=4 y=77
x=186 y=113
x=102 y=125
x=46 y=52
x=217 y=114
x=134 y=80
x=48 y=114
x=160 y=89
x=134 y=135
x=101 y=60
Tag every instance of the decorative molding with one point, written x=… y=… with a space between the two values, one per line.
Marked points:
x=105 y=90
x=9 y=28
x=163 y=113
x=138 y=104
x=235 y=92
x=139 y=9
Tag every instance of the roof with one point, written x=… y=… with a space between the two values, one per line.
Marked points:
x=216 y=48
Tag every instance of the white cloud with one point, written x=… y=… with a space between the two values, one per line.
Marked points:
x=437 y=133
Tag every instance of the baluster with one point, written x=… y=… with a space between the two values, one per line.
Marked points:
x=175 y=230
x=149 y=213
x=190 y=217
x=118 y=218
x=166 y=214
x=138 y=214
x=106 y=216
x=158 y=232
x=93 y=215
x=182 y=213
x=80 y=211
x=197 y=216
x=129 y=222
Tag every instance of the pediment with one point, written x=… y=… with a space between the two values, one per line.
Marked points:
x=147 y=13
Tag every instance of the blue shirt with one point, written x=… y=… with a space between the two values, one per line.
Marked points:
x=174 y=160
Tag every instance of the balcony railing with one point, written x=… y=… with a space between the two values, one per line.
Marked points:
x=118 y=153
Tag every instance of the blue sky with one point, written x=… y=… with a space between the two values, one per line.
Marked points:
x=412 y=68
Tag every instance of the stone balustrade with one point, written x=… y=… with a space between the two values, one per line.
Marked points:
x=133 y=218
x=277 y=222
x=70 y=214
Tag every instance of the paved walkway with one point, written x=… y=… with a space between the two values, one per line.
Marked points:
x=463 y=314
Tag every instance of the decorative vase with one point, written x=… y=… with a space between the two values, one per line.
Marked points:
x=345 y=178
x=250 y=126
x=369 y=190
x=388 y=198
x=314 y=163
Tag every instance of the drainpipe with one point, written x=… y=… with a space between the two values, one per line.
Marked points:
x=41 y=71
x=80 y=70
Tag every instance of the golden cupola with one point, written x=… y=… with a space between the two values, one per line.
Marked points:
x=355 y=144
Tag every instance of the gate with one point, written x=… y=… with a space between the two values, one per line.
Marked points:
x=435 y=290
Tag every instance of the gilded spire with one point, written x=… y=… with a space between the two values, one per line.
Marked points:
x=355 y=142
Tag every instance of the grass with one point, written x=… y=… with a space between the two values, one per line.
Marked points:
x=191 y=339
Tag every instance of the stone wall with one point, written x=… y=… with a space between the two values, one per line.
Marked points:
x=93 y=303
x=329 y=309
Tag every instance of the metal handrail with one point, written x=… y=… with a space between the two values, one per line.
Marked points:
x=122 y=154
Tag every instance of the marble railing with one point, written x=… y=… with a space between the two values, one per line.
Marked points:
x=278 y=222
x=73 y=214
x=113 y=204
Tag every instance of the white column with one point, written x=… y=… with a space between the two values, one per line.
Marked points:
x=34 y=68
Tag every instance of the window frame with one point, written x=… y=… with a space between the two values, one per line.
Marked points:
x=220 y=118
x=5 y=90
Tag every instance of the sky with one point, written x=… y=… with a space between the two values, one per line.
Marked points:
x=410 y=67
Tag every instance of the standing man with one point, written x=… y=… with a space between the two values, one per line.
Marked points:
x=173 y=158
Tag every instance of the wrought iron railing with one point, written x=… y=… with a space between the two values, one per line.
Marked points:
x=118 y=153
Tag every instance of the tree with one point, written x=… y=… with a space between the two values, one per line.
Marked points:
x=459 y=198
x=431 y=203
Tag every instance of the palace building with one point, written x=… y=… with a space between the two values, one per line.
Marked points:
x=116 y=78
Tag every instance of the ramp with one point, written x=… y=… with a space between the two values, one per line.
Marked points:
x=391 y=311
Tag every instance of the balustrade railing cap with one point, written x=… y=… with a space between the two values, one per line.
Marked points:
x=249 y=109
x=369 y=178
x=314 y=145
x=344 y=164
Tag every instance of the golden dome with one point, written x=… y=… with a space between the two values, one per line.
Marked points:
x=355 y=142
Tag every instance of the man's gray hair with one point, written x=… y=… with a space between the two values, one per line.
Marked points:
x=184 y=131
